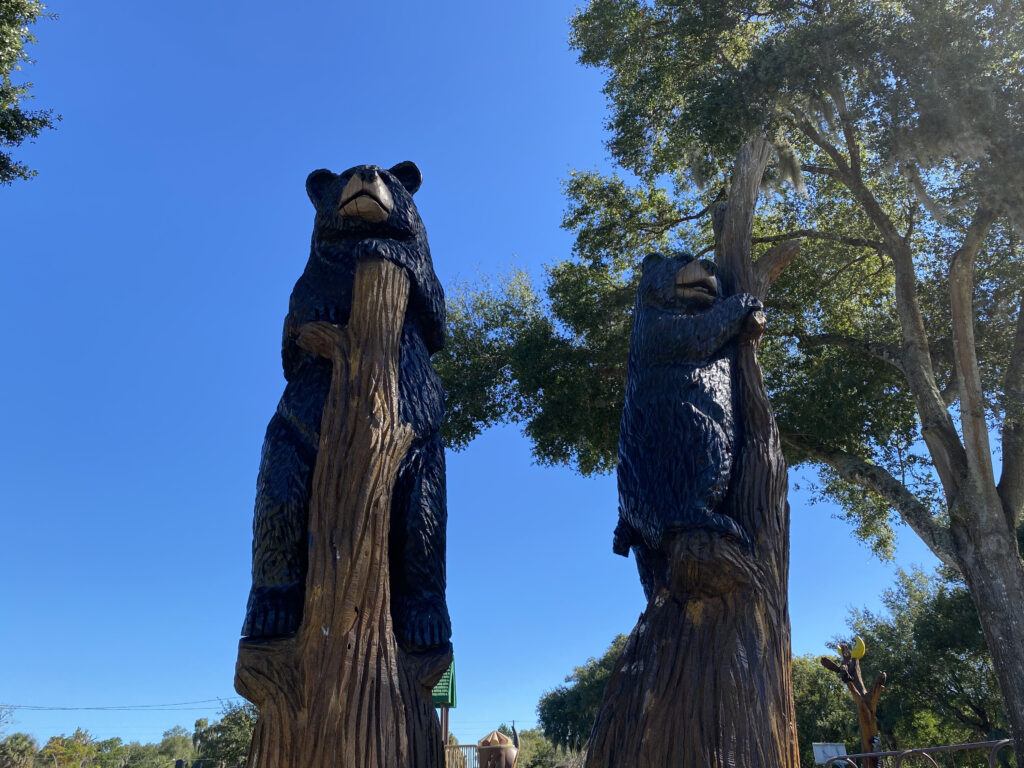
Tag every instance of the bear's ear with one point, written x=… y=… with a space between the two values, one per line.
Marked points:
x=649 y=259
x=317 y=185
x=408 y=174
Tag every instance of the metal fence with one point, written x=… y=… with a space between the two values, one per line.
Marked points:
x=981 y=754
x=461 y=756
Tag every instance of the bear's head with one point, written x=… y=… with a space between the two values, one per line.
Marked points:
x=365 y=202
x=369 y=212
x=682 y=283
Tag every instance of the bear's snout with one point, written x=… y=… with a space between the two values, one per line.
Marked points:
x=697 y=281
x=366 y=197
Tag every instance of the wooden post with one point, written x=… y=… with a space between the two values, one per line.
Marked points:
x=340 y=693
x=848 y=670
x=704 y=681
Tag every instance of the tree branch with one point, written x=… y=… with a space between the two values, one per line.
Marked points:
x=950 y=393
x=913 y=175
x=849 y=128
x=937 y=426
x=965 y=351
x=1011 y=483
x=887 y=353
x=849 y=173
x=859 y=242
x=832 y=666
x=703 y=211
x=821 y=170
x=771 y=264
x=734 y=223
x=876 y=691
x=872 y=477
x=911 y=221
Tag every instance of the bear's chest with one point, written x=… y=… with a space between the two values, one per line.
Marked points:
x=420 y=393
x=674 y=389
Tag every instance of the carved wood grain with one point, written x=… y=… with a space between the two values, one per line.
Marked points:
x=704 y=681
x=341 y=693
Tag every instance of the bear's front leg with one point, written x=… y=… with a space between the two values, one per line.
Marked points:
x=418 y=519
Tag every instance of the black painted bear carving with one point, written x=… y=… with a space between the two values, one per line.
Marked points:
x=365 y=212
x=678 y=435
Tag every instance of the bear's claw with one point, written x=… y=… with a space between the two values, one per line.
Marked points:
x=425 y=624
x=273 y=612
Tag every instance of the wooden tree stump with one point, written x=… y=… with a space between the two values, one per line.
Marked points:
x=341 y=693
x=849 y=672
x=704 y=681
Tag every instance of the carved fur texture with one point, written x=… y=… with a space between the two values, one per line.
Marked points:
x=678 y=433
x=418 y=516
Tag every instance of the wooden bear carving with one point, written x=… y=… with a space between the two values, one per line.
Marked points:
x=365 y=212
x=678 y=435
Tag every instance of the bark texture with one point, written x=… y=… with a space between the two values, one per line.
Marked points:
x=992 y=568
x=866 y=699
x=704 y=680
x=980 y=537
x=341 y=692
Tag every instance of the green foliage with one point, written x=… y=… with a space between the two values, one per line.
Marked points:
x=567 y=713
x=18 y=751
x=824 y=710
x=688 y=82
x=177 y=744
x=941 y=687
x=507 y=361
x=535 y=751
x=227 y=739
x=75 y=751
x=850 y=81
x=17 y=123
x=113 y=753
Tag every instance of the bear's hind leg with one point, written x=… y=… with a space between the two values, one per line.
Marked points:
x=279 y=550
x=418 y=518
x=652 y=565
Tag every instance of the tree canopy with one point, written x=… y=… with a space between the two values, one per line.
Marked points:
x=222 y=742
x=18 y=751
x=227 y=739
x=567 y=713
x=824 y=711
x=17 y=123
x=887 y=138
x=924 y=147
x=941 y=687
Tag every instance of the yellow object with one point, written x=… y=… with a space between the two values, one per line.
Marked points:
x=859 y=649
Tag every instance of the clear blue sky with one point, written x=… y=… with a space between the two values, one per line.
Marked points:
x=146 y=273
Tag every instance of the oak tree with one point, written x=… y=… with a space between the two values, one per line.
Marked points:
x=17 y=122
x=889 y=227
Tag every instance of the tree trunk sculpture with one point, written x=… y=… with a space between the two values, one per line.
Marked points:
x=704 y=680
x=341 y=692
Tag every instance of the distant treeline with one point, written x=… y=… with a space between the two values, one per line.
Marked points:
x=224 y=743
